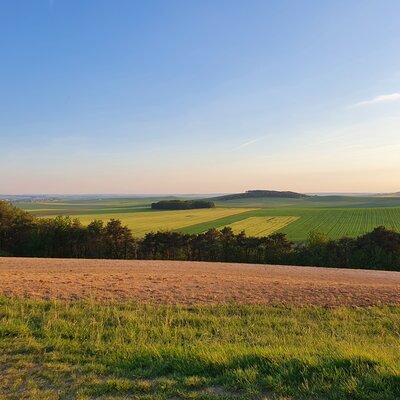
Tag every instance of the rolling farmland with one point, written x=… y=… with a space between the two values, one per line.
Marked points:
x=334 y=216
x=200 y=200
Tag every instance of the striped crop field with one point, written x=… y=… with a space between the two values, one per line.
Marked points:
x=336 y=223
x=261 y=226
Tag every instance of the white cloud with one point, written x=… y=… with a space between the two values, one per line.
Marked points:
x=385 y=98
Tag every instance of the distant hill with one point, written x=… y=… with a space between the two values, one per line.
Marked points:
x=396 y=194
x=250 y=194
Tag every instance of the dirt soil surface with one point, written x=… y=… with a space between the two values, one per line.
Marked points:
x=175 y=282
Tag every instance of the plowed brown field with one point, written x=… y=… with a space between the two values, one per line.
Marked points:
x=175 y=282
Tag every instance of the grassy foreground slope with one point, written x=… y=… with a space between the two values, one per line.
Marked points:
x=87 y=350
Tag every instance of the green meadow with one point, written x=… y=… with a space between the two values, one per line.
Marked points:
x=86 y=350
x=336 y=216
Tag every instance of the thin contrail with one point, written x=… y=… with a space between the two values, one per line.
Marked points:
x=248 y=143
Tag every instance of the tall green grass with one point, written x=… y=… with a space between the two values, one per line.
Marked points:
x=55 y=350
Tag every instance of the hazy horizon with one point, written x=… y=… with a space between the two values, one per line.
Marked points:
x=183 y=194
x=199 y=97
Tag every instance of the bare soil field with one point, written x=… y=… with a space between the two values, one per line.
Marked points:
x=175 y=282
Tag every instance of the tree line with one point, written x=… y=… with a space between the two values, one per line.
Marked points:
x=22 y=234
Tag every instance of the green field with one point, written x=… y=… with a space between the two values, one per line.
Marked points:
x=337 y=223
x=334 y=222
x=336 y=216
x=87 y=350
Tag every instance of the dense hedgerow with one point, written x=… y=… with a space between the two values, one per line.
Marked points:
x=181 y=204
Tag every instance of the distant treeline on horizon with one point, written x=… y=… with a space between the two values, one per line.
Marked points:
x=22 y=234
x=181 y=204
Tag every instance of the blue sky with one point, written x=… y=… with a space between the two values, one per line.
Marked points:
x=199 y=96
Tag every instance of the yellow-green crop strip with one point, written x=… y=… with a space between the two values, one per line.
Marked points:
x=261 y=226
x=151 y=221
